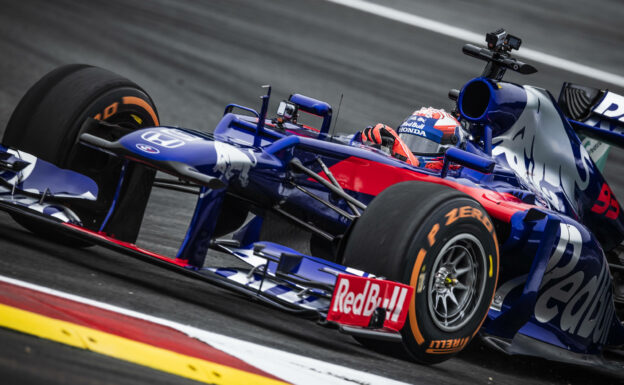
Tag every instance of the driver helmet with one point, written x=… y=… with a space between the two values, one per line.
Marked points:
x=431 y=131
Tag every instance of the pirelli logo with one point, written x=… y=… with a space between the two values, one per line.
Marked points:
x=447 y=346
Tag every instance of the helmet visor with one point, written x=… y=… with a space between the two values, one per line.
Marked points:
x=420 y=145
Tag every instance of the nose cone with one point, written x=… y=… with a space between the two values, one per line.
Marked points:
x=169 y=144
x=175 y=149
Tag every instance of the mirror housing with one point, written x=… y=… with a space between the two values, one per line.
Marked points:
x=468 y=159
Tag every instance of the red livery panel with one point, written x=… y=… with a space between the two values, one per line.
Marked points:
x=356 y=298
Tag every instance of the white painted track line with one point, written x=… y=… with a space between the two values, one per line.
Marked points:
x=479 y=39
x=290 y=367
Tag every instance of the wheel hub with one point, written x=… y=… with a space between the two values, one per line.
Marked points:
x=456 y=287
x=445 y=279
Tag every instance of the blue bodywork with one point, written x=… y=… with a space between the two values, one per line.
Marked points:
x=525 y=165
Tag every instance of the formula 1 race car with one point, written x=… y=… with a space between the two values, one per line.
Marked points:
x=516 y=237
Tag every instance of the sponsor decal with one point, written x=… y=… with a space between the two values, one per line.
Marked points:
x=606 y=203
x=356 y=298
x=132 y=101
x=469 y=212
x=109 y=111
x=582 y=303
x=432 y=233
x=416 y=130
x=447 y=346
x=611 y=106
x=163 y=139
x=147 y=148
x=596 y=149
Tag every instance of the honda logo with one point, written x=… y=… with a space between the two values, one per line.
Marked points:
x=162 y=140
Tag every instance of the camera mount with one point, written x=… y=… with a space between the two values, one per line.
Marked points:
x=498 y=55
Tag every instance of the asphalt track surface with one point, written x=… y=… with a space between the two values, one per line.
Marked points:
x=194 y=58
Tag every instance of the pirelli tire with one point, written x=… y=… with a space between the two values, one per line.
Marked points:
x=47 y=123
x=441 y=242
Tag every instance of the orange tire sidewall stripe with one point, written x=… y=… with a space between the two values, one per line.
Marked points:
x=414 y=283
x=143 y=104
x=495 y=279
x=412 y=307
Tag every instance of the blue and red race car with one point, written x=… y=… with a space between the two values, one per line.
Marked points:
x=516 y=237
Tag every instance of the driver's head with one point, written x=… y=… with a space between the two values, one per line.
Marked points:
x=430 y=131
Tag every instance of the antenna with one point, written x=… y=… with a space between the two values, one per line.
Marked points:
x=331 y=137
x=262 y=116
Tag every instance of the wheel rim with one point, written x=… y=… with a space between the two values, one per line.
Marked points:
x=457 y=282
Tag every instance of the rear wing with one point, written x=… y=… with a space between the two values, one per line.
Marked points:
x=597 y=116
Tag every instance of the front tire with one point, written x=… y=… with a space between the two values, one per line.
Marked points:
x=47 y=123
x=445 y=247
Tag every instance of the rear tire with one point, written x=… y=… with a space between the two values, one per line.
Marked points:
x=47 y=123
x=445 y=247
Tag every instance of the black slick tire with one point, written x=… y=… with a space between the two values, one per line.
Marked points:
x=47 y=124
x=412 y=233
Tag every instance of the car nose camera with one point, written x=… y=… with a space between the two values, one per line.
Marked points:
x=501 y=41
x=286 y=112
